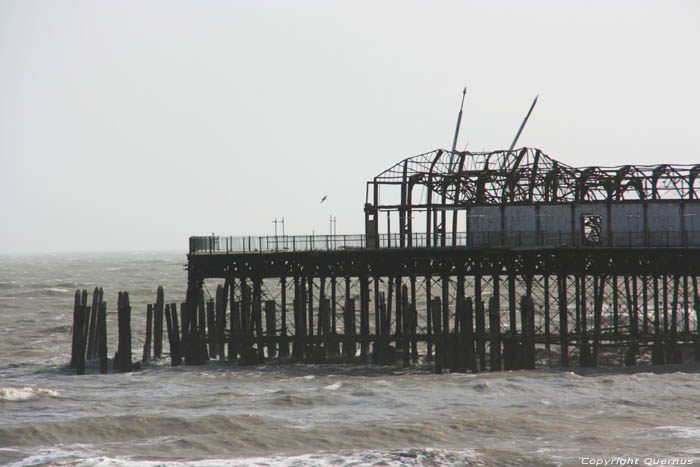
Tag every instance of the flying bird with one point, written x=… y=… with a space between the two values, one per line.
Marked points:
x=323 y=199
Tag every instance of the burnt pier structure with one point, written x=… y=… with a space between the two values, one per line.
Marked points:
x=474 y=261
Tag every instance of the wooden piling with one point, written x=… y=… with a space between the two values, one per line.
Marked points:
x=221 y=300
x=91 y=342
x=657 y=354
x=270 y=330
x=235 y=328
x=81 y=317
x=443 y=334
x=480 y=323
x=284 y=341
x=257 y=310
x=124 y=359
x=102 y=336
x=563 y=322
x=149 y=332
x=645 y=305
x=616 y=307
x=334 y=345
x=244 y=335
x=547 y=318
x=673 y=355
x=495 y=332
x=406 y=326
x=428 y=318
x=202 y=330
x=76 y=323
x=158 y=310
x=349 y=344
x=631 y=355
x=436 y=307
x=378 y=331
x=598 y=295
x=211 y=328
x=310 y=304
x=176 y=346
x=696 y=307
x=582 y=320
x=364 y=317
x=414 y=320
x=400 y=293
x=171 y=333
x=686 y=308
x=469 y=334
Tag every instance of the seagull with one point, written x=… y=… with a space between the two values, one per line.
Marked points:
x=323 y=199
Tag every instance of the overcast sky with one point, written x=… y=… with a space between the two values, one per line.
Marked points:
x=132 y=125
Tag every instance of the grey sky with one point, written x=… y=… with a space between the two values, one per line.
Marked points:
x=132 y=125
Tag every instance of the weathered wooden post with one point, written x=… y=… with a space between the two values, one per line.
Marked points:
x=445 y=316
x=547 y=317
x=349 y=347
x=364 y=317
x=334 y=346
x=598 y=294
x=296 y=344
x=631 y=356
x=158 y=323
x=257 y=310
x=91 y=344
x=469 y=334
x=80 y=330
x=436 y=306
x=414 y=319
x=406 y=325
x=102 y=336
x=171 y=333
x=176 y=351
x=284 y=340
x=235 y=328
x=428 y=318
x=124 y=360
x=657 y=354
x=563 y=322
x=480 y=318
x=149 y=331
x=270 y=330
x=495 y=333
x=74 y=347
x=696 y=307
x=211 y=328
x=221 y=297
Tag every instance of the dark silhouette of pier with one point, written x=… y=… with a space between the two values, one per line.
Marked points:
x=472 y=261
x=478 y=261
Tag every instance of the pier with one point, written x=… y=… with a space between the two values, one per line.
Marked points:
x=474 y=261
x=469 y=262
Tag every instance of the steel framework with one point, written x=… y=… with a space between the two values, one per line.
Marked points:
x=443 y=181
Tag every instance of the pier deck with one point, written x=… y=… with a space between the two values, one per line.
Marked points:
x=466 y=308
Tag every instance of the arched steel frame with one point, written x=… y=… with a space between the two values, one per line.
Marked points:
x=454 y=181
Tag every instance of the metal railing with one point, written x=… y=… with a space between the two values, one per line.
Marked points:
x=494 y=239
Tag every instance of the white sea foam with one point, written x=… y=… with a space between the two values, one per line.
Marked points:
x=417 y=457
x=24 y=394
x=681 y=431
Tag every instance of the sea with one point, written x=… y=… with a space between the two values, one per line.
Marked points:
x=284 y=414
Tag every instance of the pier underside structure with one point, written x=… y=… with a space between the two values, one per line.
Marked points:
x=524 y=261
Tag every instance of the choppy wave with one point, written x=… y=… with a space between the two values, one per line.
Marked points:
x=25 y=394
x=84 y=456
